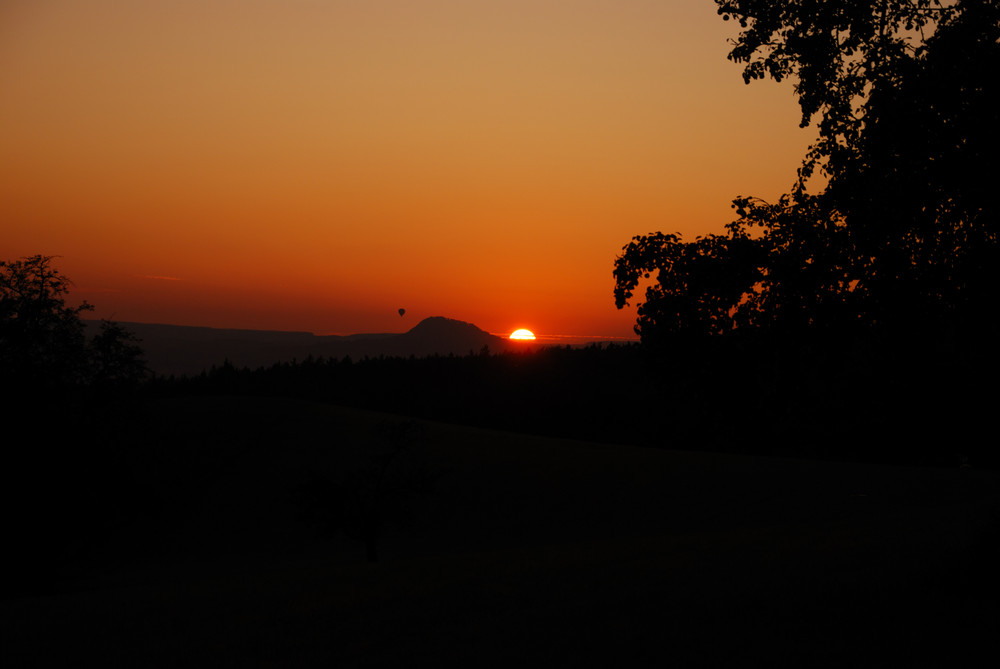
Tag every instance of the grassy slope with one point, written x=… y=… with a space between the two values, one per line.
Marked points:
x=557 y=552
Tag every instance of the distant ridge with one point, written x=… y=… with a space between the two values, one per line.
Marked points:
x=182 y=349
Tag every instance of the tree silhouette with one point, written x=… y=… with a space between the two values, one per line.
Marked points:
x=116 y=359
x=904 y=229
x=43 y=344
x=42 y=340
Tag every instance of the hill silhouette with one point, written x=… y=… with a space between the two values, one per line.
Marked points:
x=181 y=349
x=428 y=336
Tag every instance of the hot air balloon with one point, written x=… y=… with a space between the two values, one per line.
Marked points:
x=401 y=312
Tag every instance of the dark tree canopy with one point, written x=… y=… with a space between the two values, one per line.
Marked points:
x=903 y=94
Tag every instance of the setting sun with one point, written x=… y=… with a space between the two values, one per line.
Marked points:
x=522 y=334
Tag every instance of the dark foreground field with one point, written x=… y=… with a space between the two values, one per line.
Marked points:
x=503 y=549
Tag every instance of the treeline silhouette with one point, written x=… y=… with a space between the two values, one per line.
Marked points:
x=914 y=401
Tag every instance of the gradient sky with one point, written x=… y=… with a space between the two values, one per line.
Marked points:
x=317 y=164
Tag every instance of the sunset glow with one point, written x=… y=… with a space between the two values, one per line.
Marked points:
x=302 y=165
x=522 y=335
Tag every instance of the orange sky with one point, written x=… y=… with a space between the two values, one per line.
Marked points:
x=317 y=164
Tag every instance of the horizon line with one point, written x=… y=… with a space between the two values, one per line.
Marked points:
x=503 y=335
